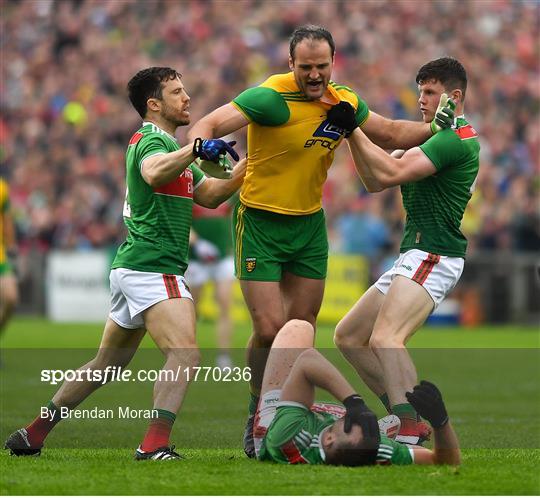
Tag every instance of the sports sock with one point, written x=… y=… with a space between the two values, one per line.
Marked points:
x=42 y=425
x=253 y=402
x=159 y=430
x=407 y=415
x=386 y=402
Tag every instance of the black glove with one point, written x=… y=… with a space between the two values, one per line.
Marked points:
x=359 y=414
x=342 y=116
x=427 y=400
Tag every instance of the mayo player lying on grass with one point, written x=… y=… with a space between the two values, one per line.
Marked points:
x=290 y=428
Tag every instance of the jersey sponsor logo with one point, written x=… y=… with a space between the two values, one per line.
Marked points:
x=330 y=135
x=135 y=138
x=180 y=187
x=328 y=130
x=251 y=263
x=466 y=132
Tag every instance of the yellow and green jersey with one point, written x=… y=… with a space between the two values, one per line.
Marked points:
x=4 y=208
x=435 y=204
x=290 y=144
x=294 y=437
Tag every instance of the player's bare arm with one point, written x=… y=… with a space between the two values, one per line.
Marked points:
x=224 y=120
x=394 y=134
x=311 y=370
x=214 y=191
x=161 y=169
x=446 y=449
x=379 y=171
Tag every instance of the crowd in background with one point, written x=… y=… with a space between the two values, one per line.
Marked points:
x=66 y=119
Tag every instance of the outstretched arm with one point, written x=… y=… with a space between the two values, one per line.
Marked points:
x=445 y=451
x=379 y=171
x=224 y=120
x=395 y=134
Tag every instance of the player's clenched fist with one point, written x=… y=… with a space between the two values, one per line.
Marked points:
x=427 y=400
x=342 y=116
x=212 y=149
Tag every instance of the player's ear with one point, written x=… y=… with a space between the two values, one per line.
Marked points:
x=291 y=63
x=456 y=95
x=153 y=105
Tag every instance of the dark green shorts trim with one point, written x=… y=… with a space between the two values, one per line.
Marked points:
x=267 y=244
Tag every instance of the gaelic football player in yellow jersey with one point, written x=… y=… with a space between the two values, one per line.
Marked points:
x=295 y=122
x=9 y=295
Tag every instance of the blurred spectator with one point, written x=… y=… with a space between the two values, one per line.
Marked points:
x=66 y=122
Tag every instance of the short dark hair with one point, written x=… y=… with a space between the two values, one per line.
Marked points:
x=449 y=71
x=310 y=32
x=353 y=454
x=148 y=84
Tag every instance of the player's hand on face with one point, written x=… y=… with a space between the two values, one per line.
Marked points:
x=444 y=115
x=343 y=116
x=212 y=149
x=427 y=400
x=358 y=413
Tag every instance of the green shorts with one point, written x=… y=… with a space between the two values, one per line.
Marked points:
x=5 y=268
x=267 y=244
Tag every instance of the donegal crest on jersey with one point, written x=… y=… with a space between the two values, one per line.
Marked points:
x=158 y=219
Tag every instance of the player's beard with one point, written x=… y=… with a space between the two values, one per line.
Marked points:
x=173 y=116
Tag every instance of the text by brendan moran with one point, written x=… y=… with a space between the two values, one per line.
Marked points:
x=97 y=413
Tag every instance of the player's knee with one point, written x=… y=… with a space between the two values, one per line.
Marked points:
x=188 y=357
x=382 y=340
x=265 y=331
x=345 y=337
x=297 y=329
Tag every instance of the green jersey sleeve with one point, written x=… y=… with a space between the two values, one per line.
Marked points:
x=288 y=422
x=443 y=149
x=263 y=105
x=392 y=452
x=198 y=176
x=362 y=111
x=150 y=145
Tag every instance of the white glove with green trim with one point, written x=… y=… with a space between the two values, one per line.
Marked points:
x=444 y=116
x=222 y=169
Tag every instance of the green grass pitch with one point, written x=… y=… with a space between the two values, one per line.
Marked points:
x=490 y=377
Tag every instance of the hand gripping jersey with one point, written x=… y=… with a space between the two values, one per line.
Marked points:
x=158 y=219
x=290 y=144
x=435 y=204
x=294 y=437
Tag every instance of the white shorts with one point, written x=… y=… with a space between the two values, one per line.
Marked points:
x=133 y=292
x=437 y=274
x=199 y=273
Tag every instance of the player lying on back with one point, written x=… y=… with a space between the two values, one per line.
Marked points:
x=290 y=428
